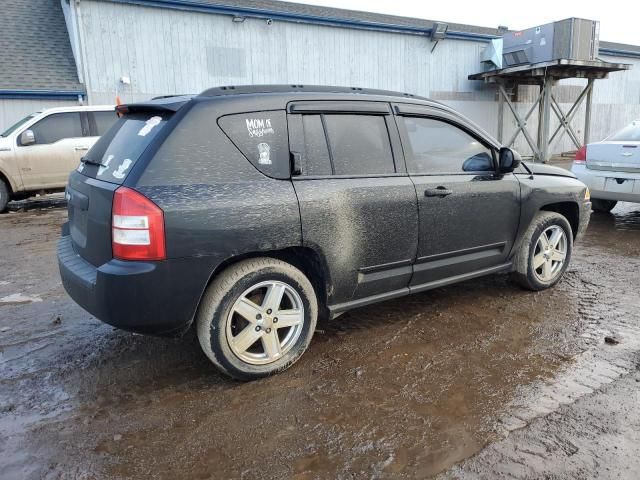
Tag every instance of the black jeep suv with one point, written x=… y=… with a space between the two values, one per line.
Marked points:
x=254 y=210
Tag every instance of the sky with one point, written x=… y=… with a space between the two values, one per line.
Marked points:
x=619 y=20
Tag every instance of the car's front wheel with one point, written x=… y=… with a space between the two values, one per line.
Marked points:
x=545 y=252
x=602 y=206
x=257 y=318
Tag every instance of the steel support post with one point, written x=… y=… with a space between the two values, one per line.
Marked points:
x=587 y=113
x=540 y=114
x=546 y=119
x=500 y=116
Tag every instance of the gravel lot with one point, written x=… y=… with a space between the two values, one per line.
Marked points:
x=475 y=380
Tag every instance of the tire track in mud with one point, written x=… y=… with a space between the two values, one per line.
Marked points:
x=607 y=307
x=598 y=365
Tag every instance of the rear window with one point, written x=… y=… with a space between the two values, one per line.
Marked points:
x=630 y=133
x=120 y=148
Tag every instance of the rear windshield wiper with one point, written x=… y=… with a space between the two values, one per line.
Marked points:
x=88 y=161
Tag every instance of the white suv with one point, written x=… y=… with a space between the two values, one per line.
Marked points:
x=611 y=168
x=38 y=152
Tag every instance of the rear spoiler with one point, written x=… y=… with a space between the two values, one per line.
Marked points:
x=160 y=104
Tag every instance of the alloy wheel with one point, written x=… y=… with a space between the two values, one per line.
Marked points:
x=550 y=253
x=265 y=322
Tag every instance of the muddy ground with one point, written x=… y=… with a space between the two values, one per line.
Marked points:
x=477 y=380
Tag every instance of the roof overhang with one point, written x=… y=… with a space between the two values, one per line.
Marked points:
x=41 y=94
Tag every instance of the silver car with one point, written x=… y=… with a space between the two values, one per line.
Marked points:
x=611 y=168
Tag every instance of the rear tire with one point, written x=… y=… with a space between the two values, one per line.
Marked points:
x=4 y=196
x=237 y=320
x=545 y=252
x=602 y=206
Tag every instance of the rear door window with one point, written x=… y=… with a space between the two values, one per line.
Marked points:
x=359 y=144
x=101 y=122
x=56 y=127
x=122 y=146
x=262 y=138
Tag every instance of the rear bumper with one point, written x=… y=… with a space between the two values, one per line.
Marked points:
x=156 y=298
x=603 y=185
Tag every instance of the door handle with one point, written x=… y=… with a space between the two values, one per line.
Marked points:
x=437 y=192
x=80 y=148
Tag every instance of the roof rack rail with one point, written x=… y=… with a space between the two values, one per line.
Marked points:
x=160 y=97
x=283 y=88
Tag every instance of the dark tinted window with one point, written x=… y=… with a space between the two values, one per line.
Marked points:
x=439 y=147
x=101 y=122
x=316 y=152
x=262 y=138
x=119 y=150
x=56 y=127
x=359 y=144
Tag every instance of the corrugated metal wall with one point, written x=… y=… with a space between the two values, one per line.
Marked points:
x=167 y=51
x=12 y=110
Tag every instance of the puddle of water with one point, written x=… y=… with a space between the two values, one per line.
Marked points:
x=19 y=298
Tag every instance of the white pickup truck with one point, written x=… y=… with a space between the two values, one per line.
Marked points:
x=38 y=152
x=611 y=168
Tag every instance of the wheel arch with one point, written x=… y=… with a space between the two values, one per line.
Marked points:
x=306 y=259
x=569 y=210
x=5 y=178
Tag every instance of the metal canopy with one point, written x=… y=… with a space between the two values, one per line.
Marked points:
x=545 y=75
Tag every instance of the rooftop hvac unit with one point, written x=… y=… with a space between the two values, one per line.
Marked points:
x=573 y=38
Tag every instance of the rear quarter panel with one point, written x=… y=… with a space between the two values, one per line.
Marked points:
x=216 y=203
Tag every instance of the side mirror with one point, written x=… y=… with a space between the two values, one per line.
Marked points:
x=27 y=138
x=509 y=160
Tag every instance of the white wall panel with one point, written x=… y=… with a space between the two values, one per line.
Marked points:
x=167 y=51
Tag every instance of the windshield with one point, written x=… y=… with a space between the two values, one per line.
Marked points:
x=630 y=133
x=17 y=125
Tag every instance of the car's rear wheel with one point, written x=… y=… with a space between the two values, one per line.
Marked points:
x=4 y=196
x=602 y=206
x=257 y=318
x=545 y=252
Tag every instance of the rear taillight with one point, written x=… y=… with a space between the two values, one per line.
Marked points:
x=581 y=155
x=137 y=227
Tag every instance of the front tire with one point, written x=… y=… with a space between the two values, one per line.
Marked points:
x=545 y=252
x=4 y=196
x=602 y=206
x=257 y=318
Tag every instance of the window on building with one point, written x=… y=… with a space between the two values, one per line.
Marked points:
x=56 y=127
x=439 y=147
x=359 y=144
